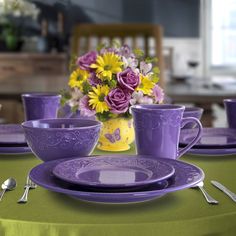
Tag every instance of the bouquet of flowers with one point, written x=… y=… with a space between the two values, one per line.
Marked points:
x=106 y=82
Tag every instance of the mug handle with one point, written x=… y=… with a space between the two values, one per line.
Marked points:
x=194 y=141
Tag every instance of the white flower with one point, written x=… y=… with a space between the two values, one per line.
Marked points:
x=146 y=100
x=145 y=67
x=131 y=62
x=18 y=8
x=136 y=97
x=76 y=95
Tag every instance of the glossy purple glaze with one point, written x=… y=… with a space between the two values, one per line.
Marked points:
x=186 y=175
x=12 y=134
x=212 y=151
x=211 y=137
x=230 y=107
x=52 y=139
x=157 y=130
x=113 y=171
x=192 y=112
x=40 y=105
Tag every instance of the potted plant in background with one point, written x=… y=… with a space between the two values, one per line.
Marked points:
x=12 y=16
x=105 y=83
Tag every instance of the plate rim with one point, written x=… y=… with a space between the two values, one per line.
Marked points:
x=91 y=184
x=79 y=194
x=207 y=129
x=12 y=142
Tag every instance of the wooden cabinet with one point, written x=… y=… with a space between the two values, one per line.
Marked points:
x=24 y=64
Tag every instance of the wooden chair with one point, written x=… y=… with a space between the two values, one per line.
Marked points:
x=148 y=37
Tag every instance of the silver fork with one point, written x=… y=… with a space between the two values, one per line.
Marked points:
x=29 y=185
x=208 y=198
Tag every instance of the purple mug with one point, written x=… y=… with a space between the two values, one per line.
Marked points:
x=230 y=107
x=40 y=105
x=157 y=130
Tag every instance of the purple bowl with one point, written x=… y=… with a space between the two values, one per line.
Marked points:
x=195 y=112
x=52 y=139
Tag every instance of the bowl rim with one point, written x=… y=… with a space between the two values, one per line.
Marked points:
x=40 y=95
x=97 y=123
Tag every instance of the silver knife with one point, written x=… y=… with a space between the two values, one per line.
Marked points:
x=224 y=189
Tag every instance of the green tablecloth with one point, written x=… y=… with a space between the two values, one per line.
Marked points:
x=180 y=213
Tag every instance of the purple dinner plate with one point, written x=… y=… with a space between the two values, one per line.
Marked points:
x=113 y=171
x=186 y=175
x=212 y=151
x=15 y=150
x=12 y=135
x=211 y=137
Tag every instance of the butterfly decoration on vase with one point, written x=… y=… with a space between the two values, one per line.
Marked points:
x=113 y=137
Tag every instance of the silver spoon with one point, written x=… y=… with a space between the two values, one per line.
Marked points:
x=208 y=198
x=7 y=185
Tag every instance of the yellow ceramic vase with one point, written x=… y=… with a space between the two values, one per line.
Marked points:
x=116 y=135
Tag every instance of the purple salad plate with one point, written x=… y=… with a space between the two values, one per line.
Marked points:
x=113 y=171
x=211 y=137
x=186 y=175
x=12 y=135
x=15 y=150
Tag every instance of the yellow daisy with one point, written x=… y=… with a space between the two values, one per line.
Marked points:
x=146 y=85
x=107 y=64
x=77 y=78
x=97 y=98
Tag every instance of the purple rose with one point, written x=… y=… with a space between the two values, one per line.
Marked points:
x=86 y=60
x=128 y=79
x=118 y=100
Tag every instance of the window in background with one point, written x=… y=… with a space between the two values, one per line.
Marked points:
x=222 y=34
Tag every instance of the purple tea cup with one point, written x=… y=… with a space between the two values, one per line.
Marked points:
x=230 y=107
x=51 y=139
x=192 y=112
x=157 y=130
x=40 y=105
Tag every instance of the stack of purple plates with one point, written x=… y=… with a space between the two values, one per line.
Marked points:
x=116 y=178
x=12 y=140
x=214 y=141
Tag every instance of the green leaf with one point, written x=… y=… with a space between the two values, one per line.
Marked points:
x=103 y=116
x=65 y=96
x=100 y=46
x=127 y=115
x=72 y=63
x=138 y=52
x=156 y=70
x=63 y=101
x=65 y=93
x=74 y=109
x=115 y=43
x=151 y=60
x=112 y=83
x=112 y=115
x=86 y=87
x=155 y=78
